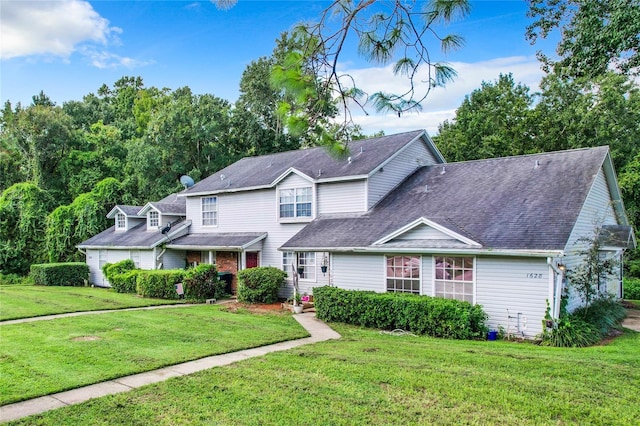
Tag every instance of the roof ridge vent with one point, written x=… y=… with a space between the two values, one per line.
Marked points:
x=537 y=164
x=222 y=177
x=361 y=151
x=349 y=160
x=443 y=171
x=319 y=172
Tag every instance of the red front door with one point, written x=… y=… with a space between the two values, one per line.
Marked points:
x=252 y=259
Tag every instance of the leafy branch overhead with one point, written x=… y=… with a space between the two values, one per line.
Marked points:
x=387 y=32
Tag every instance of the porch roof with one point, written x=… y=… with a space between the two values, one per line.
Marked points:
x=217 y=241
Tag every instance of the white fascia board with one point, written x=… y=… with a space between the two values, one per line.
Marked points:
x=342 y=178
x=112 y=213
x=255 y=240
x=287 y=173
x=85 y=247
x=470 y=251
x=427 y=222
x=432 y=146
x=225 y=191
x=199 y=248
x=146 y=208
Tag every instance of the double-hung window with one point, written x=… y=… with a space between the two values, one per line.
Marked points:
x=305 y=264
x=295 y=202
x=210 y=211
x=454 y=277
x=121 y=222
x=403 y=274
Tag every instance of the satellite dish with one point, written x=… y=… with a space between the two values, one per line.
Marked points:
x=186 y=181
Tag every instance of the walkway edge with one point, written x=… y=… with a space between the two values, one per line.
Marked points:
x=318 y=330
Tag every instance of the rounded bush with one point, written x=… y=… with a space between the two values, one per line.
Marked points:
x=260 y=285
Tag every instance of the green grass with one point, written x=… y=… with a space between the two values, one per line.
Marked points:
x=43 y=357
x=25 y=301
x=370 y=378
x=634 y=303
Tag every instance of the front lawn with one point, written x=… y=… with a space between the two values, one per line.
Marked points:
x=371 y=378
x=25 y=301
x=44 y=357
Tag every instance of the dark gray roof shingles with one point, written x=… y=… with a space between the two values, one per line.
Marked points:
x=502 y=203
x=221 y=239
x=316 y=163
x=138 y=236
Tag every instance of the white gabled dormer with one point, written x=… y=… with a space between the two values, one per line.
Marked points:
x=125 y=217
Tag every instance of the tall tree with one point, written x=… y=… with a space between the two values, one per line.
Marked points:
x=493 y=121
x=597 y=36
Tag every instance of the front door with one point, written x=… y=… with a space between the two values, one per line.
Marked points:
x=252 y=259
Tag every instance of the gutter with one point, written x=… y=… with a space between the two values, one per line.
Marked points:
x=417 y=250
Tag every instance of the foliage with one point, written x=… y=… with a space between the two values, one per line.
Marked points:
x=14 y=279
x=432 y=316
x=260 y=285
x=586 y=326
x=71 y=274
x=593 y=271
x=597 y=36
x=85 y=217
x=23 y=209
x=631 y=288
x=160 y=284
x=122 y=275
x=202 y=283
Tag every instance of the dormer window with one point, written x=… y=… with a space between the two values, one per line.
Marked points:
x=121 y=222
x=295 y=202
x=154 y=219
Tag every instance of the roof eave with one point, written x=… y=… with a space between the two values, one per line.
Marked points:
x=466 y=251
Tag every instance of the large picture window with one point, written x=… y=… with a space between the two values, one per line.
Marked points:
x=454 y=277
x=210 y=211
x=403 y=274
x=295 y=202
x=305 y=264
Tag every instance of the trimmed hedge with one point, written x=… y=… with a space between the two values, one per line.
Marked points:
x=60 y=274
x=432 y=316
x=121 y=275
x=260 y=285
x=632 y=288
x=202 y=282
x=159 y=284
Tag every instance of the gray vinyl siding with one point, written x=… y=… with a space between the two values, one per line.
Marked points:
x=424 y=232
x=359 y=272
x=395 y=171
x=174 y=259
x=95 y=274
x=341 y=197
x=597 y=211
x=508 y=286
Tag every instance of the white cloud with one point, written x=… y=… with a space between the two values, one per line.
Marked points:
x=442 y=102
x=60 y=28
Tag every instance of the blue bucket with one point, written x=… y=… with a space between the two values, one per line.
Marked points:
x=493 y=335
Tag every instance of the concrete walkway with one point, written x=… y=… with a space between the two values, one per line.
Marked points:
x=318 y=330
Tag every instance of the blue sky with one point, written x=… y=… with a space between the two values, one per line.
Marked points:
x=69 y=48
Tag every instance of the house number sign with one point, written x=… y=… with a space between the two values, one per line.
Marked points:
x=534 y=275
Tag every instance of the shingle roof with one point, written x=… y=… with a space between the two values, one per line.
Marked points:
x=316 y=163
x=522 y=203
x=136 y=237
x=217 y=240
x=129 y=210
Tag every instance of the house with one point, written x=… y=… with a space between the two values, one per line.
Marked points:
x=394 y=216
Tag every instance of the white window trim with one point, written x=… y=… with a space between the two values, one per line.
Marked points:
x=149 y=226
x=433 y=276
x=295 y=217
x=118 y=221
x=420 y=279
x=296 y=255
x=216 y=211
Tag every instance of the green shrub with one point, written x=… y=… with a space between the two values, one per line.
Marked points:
x=60 y=274
x=571 y=332
x=604 y=314
x=111 y=269
x=632 y=288
x=121 y=275
x=202 y=282
x=432 y=316
x=260 y=285
x=159 y=284
x=14 y=279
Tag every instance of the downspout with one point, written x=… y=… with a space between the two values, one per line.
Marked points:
x=557 y=296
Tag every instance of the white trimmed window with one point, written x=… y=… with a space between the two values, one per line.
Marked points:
x=403 y=274
x=121 y=222
x=154 y=219
x=307 y=266
x=288 y=259
x=210 y=211
x=295 y=202
x=454 y=278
